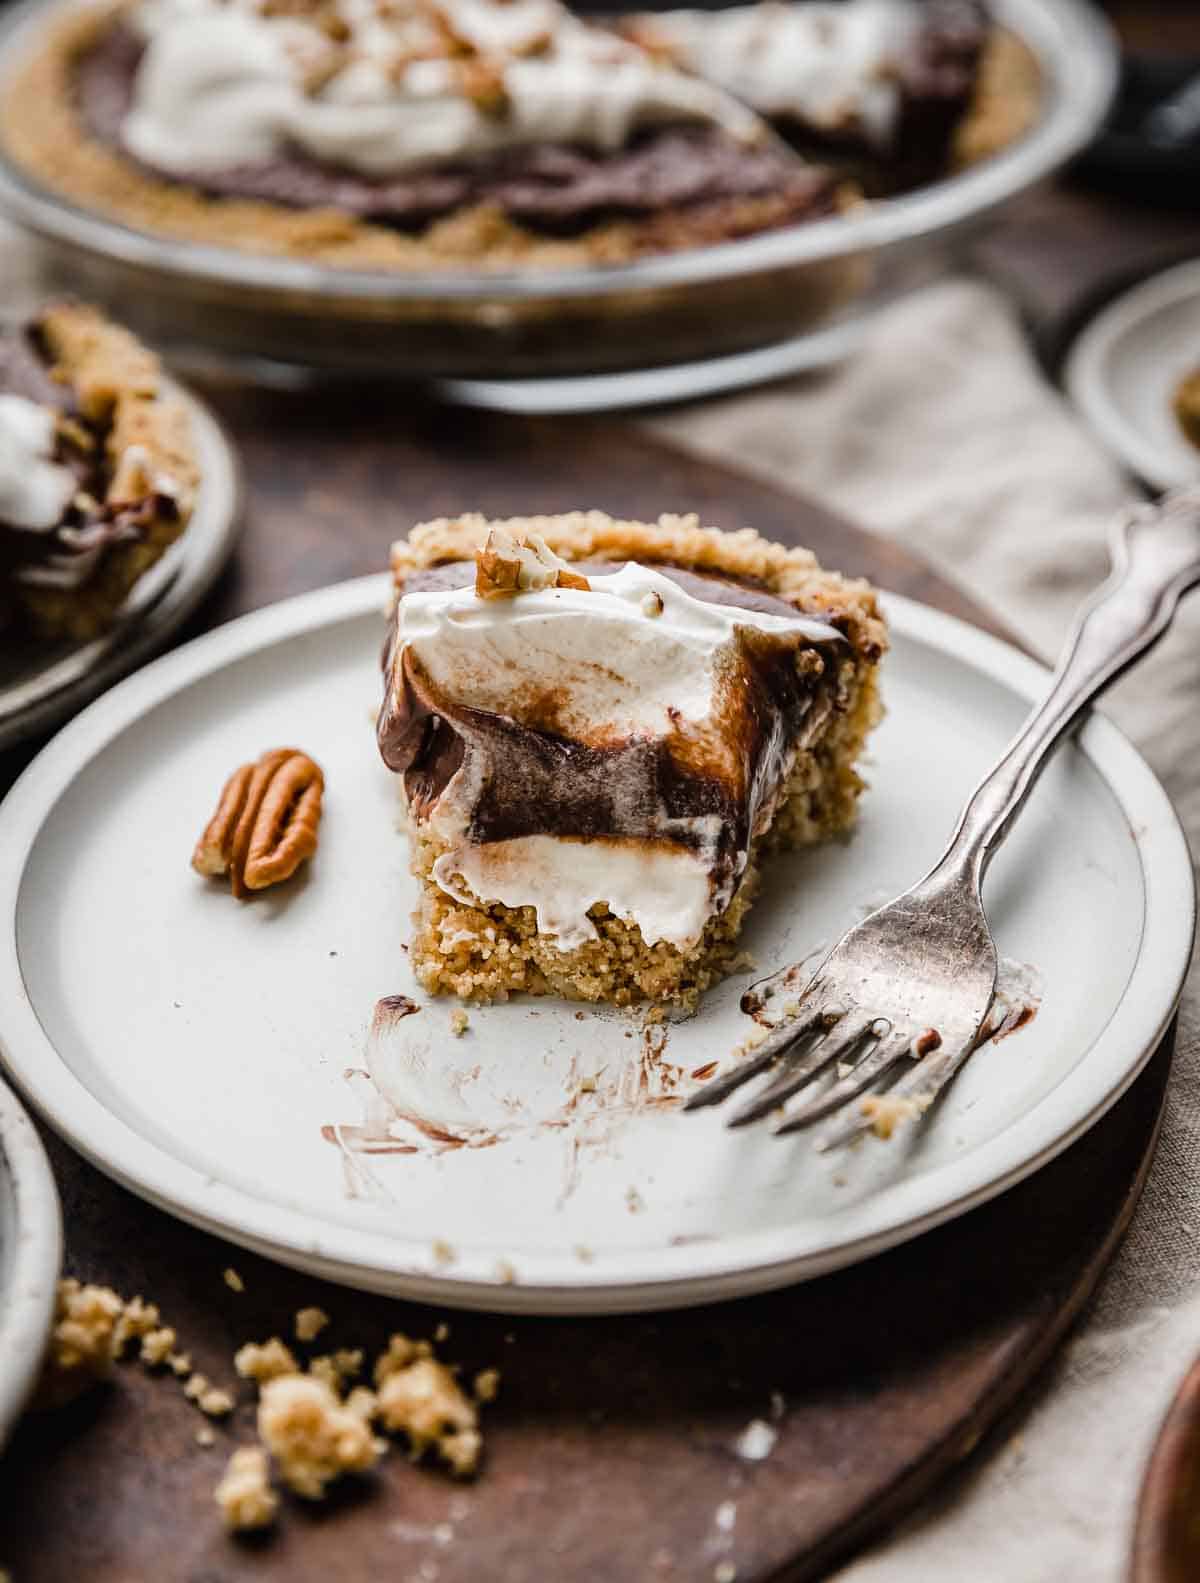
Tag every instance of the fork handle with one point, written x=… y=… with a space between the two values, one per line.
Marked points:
x=1155 y=560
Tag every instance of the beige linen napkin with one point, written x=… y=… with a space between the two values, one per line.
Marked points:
x=942 y=433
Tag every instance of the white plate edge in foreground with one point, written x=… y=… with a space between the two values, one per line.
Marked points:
x=31 y=1265
x=639 y=1279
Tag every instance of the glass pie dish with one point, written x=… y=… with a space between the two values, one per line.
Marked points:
x=262 y=311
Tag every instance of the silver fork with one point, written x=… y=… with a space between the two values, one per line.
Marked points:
x=910 y=986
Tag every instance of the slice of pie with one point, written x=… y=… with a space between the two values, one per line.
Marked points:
x=408 y=134
x=603 y=729
x=898 y=91
x=97 y=471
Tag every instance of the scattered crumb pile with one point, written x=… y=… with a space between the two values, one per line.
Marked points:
x=93 y=1327
x=314 y=1423
x=317 y=1424
x=420 y=1397
x=81 y=1342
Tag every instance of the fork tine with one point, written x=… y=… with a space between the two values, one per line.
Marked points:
x=780 y=1039
x=891 y=1050
x=847 y=1034
x=921 y=1086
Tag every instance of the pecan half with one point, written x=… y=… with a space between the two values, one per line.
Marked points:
x=266 y=822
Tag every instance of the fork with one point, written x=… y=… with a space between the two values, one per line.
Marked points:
x=910 y=986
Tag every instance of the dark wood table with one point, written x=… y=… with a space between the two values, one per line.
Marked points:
x=610 y=1445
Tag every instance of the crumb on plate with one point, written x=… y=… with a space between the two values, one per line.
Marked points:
x=244 y=1495
x=310 y=1322
x=487 y=1385
x=885 y=1112
x=426 y=1403
x=337 y=1368
x=81 y=1341
x=313 y=1437
x=265 y=1360
x=138 y=1318
x=158 y=1347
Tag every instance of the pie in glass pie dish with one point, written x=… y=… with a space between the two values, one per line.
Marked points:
x=427 y=135
x=397 y=134
x=603 y=730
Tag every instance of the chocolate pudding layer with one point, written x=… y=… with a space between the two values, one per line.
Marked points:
x=936 y=73
x=557 y=189
x=542 y=781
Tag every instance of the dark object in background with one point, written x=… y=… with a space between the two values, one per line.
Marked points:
x=1150 y=147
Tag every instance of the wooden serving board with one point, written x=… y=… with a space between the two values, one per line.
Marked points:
x=611 y=1447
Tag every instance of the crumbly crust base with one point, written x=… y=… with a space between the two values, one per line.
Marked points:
x=1006 y=102
x=117 y=382
x=487 y=951
x=42 y=130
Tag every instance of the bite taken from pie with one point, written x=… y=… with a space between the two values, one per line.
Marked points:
x=603 y=730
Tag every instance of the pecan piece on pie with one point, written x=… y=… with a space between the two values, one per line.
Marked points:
x=266 y=822
x=506 y=565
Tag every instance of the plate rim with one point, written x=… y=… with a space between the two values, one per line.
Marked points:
x=1085 y=382
x=202 y=556
x=32 y=1284
x=635 y=1280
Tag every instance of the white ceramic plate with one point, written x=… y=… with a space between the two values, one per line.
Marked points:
x=41 y=685
x=214 y=1055
x=1124 y=366
x=30 y=1255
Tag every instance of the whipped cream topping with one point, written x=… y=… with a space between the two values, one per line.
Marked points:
x=632 y=659
x=614 y=669
x=34 y=489
x=382 y=87
x=828 y=65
